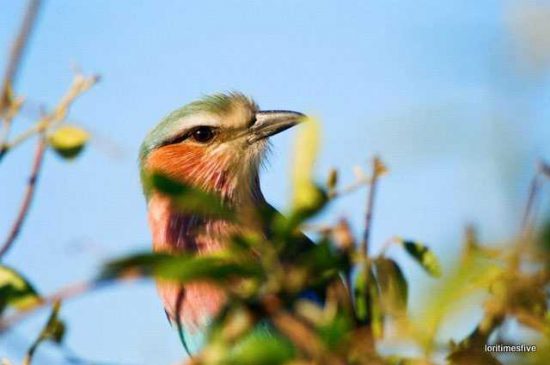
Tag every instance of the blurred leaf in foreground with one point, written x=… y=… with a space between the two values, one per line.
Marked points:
x=68 y=141
x=15 y=290
x=54 y=331
x=393 y=286
x=189 y=199
x=367 y=300
x=307 y=196
x=424 y=256
x=262 y=349
x=183 y=268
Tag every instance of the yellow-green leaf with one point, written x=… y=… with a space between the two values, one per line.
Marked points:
x=68 y=141
x=393 y=286
x=367 y=300
x=376 y=313
x=259 y=348
x=15 y=290
x=424 y=256
x=53 y=330
x=307 y=195
x=361 y=293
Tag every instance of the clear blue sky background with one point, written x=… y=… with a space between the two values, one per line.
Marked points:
x=436 y=87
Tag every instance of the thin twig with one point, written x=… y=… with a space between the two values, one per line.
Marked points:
x=27 y=198
x=68 y=292
x=376 y=163
x=17 y=51
x=44 y=334
x=69 y=355
x=79 y=85
x=356 y=185
x=542 y=173
x=528 y=212
x=529 y=216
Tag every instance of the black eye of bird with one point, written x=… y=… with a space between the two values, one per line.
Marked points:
x=203 y=134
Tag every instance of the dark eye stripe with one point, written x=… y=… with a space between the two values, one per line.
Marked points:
x=192 y=133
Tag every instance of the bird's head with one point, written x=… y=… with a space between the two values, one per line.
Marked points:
x=216 y=143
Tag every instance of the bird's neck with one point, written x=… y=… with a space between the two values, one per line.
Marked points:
x=235 y=179
x=175 y=231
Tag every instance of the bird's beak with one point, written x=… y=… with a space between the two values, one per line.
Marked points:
x=270 y=122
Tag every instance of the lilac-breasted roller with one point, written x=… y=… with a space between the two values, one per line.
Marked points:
x=216 y=144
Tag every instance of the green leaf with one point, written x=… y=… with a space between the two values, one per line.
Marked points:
x=543 y=236
x=367 y=300
x=393 y=286
x=54 y=331
x=15 y=290
x=262 y=348
x=189 y=199
x=376 y=314
x=336 y=331
x=323 y=261
x=361 y=293
x=424 y=256
x=68 y=141
x=181 y=268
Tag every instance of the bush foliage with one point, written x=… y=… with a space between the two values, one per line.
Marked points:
x=365 y=296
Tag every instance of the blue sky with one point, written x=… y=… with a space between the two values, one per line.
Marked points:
x=436 y=88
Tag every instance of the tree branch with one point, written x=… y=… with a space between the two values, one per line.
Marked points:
x=377 y=170
x=17 y=51
x=68 y=292
x=27 y=198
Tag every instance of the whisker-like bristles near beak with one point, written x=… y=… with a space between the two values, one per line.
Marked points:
x=271 y=122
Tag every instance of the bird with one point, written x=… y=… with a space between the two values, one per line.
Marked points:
x=217 y=143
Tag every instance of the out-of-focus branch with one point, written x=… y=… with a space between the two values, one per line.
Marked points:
x=17 y=51
x=44 y=334
x=9 y=107
x=528 y=212
x=27 y=198
x=80 y=85
x=529 y=215
x=65 y=293
x=378 y=169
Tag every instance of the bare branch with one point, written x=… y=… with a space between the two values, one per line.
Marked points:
x=377 y=170
x=17 y=51
x=27 y=198
x=80 y=85
x=68 y=292
x=528 y=212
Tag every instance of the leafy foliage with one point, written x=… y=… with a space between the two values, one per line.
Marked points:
x=290 y=301
x=266 y=285
x=293 y=302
